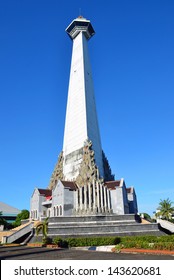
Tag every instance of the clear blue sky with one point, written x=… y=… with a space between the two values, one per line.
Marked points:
x=132 y=57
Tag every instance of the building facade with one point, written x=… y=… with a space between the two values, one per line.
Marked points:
x=67 y=199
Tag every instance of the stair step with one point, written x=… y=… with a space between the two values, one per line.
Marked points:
x=91 y=222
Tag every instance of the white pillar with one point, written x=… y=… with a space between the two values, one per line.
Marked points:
x=109 y=202
x=81 y=204
x=89 y=192
x=98 y=198
x=101 y=197
x=85 y=198
x=76 y=196
x=94 y=197
x=105 y=198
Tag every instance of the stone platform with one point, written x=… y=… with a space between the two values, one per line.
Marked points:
x=100 y=225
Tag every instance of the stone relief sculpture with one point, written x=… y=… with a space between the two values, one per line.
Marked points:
x=88 y=170
x=57 y=173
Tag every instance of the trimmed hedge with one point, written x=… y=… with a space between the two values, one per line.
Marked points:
x=164 y=238
x=146 y=245
x=145 y=242
x=92 y=241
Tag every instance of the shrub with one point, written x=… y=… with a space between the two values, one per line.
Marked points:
x=164 y=246
x=60 y=242
x=148 y=242
x=46 y=240
x=150 y=239
x=92 y=241
x=57 y=241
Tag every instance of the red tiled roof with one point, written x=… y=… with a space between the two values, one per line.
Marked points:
x=45 y=192
x=112 y=184
x=69 y=184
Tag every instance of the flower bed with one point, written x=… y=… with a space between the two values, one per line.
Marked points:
x=35 y=245
x=52 y=246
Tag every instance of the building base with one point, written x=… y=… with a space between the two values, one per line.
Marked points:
x=100 y=225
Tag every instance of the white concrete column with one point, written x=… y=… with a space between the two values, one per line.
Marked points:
x=101 y=197
x=98 y=197
x=81 y=204
x=94 y=196
x=76 y=197
x=105 y=198
x=85 y=198
x=89 y=192
x=109 y=202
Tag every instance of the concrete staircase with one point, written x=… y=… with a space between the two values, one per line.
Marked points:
x=109 y=225
x=166 y=225
x=16 y=233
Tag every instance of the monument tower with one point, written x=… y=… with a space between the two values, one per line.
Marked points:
x=82 y=182
x=81 y=118
x=82 y=159
x=83 y=199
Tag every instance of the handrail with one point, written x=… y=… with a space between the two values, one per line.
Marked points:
x=166 y=225
x=17 y=234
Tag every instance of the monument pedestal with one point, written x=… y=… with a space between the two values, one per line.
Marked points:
x=100 y=225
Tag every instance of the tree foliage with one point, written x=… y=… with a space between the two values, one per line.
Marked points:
x=23 y=215
x=4 y=222
x=165 y=209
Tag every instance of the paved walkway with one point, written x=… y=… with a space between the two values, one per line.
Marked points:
x=33 y=253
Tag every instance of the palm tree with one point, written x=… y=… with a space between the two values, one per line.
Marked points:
x=1 y=219
x=165 y=209
x=43 y=227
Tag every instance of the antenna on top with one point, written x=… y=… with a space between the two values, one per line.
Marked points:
x=80 y=13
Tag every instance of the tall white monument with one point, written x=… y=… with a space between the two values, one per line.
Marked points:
x=81 y=118
x=82 y=182
x=82 y=159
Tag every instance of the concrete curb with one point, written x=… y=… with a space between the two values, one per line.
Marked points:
x=130 y=250
x=95 y=248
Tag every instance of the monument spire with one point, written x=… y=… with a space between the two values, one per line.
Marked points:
x=81 y=124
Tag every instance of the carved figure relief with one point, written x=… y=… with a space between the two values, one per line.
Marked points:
x=88 y=170
x=57 y=173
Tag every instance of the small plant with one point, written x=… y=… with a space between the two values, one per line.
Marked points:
x=43 y=226
x=118 y=248
x=46 y=240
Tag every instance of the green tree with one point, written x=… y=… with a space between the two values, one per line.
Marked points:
x=23 y=215
x=165 y=209
x=146 y=216
x=1 y=219
x=4 y=222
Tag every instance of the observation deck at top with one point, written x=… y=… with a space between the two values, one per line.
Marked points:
x=78 y=25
